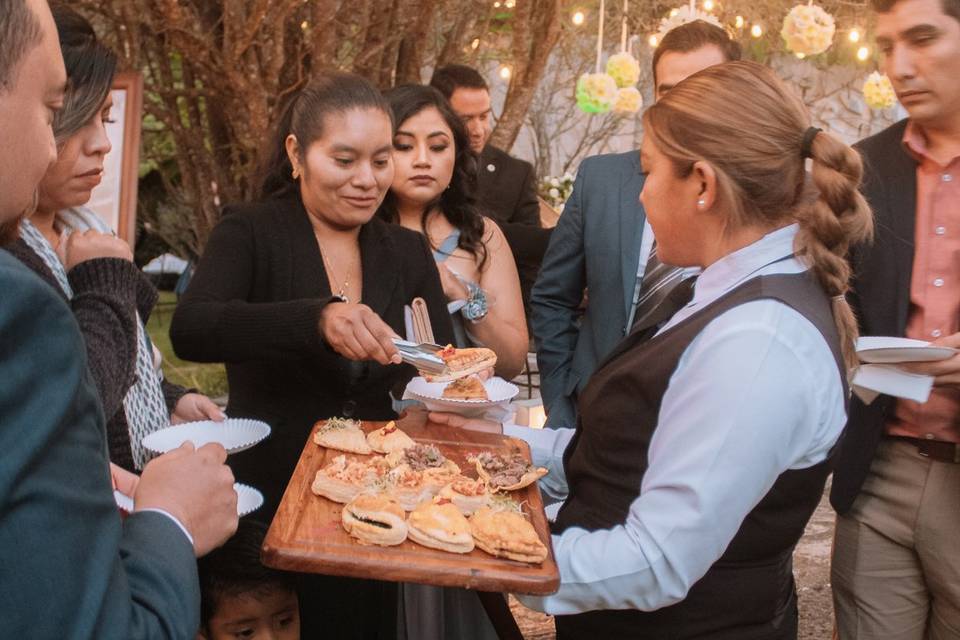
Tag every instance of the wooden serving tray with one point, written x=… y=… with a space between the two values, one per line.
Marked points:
x=306 y=534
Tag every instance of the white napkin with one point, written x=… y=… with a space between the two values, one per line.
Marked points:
x=870 y=380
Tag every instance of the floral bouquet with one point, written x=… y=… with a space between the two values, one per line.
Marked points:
x=808 y=30
x=556 y=189
x=878 y=92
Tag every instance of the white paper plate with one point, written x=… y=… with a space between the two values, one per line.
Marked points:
x=887 y=350
x=248 y=499
x=235 y=434
x=498 y=391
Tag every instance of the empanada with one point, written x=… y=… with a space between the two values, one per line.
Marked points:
x=374 y=519
x=467 y=494
x=469 y=388
x=507 y=534
x=462 y=362
x=389 y=438
x=440 y=525
x=507 y=473
x=343 y=435
x=342 y=480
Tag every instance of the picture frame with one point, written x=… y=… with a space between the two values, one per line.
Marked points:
x=115 y=198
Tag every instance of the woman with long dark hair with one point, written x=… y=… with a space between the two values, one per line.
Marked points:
x=433 y=193
x=60 y=236
x=300 y=294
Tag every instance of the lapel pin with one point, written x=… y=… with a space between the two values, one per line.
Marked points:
x=491 y=168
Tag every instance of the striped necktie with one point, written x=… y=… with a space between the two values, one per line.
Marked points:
x=659 y=281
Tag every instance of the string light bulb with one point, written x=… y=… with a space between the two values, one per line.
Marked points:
x=505 y=72
x=674 y=12
x=510 y=4
x=653 y=41
x=854 y=35
x=863 y=53
x=578 y=18
x=708 y=5
x=738 y=22
x=475 y=44
x=756 y=31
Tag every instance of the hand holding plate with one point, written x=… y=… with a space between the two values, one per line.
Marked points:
x=196 y=488
x=946 y=373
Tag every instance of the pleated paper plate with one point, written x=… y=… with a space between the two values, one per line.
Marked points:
x=248 y=500
x=235 y=434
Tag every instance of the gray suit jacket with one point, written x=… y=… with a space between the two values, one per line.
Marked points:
x=596 y=245
x=69 y=567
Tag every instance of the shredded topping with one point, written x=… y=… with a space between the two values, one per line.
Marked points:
x=424 y=456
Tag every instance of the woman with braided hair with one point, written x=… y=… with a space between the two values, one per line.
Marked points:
x=704 y=443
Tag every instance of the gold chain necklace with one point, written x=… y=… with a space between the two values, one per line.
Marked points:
x=329 y=266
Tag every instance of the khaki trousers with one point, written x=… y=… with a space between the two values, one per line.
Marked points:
x=896 y=554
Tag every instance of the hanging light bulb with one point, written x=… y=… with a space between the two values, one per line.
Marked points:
x=801 y=55
x=674 y=12
x=475 y=43
x=496 y=5
x=863 y=53
x=708 y=5
x=756 y=31
x=738 y=22
x=854 y=35
x=653 y=41
x=510 y=4
x=304 y=25
x=578 y=18
x=505 y=72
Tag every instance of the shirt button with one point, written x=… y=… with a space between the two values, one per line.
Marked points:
x=947 y=177
x=936 y=333
x=938 y=282
x=940 y=231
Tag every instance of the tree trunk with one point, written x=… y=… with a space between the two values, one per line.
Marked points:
x=541 y=20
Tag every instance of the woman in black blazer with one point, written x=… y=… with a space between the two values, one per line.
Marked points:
x=300 y=292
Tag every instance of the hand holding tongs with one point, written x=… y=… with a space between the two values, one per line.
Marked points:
x=423 y=356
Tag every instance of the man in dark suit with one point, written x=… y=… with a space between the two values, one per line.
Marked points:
x=69 y=567
x=896 y=488
x=602 y=243
x=506 y=186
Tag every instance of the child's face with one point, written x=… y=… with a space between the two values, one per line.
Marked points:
x=271 y=615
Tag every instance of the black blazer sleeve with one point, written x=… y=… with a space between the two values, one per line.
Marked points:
x=527 y=209
x=215 y=322
x=62 y=542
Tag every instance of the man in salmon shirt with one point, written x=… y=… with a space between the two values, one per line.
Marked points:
x=896 y=488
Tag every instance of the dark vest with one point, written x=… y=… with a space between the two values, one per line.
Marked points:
x=748 y=594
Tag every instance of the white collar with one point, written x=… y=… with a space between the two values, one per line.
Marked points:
x=737 y=267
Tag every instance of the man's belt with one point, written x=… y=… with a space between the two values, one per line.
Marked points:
x=934 y=449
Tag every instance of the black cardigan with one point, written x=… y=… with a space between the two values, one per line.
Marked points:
x=254 y=303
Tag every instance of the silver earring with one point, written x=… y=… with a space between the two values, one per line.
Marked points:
x=701 y=202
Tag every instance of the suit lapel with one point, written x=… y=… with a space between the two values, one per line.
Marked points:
x=901 y=219
x=631 y=220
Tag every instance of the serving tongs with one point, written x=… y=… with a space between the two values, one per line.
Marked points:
x=421 y=355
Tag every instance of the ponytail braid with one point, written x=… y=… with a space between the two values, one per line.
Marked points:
x=837 y=219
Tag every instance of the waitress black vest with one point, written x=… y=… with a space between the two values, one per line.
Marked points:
x=749 y=593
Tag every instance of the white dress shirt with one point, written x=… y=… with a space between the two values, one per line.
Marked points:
x=756 y=393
